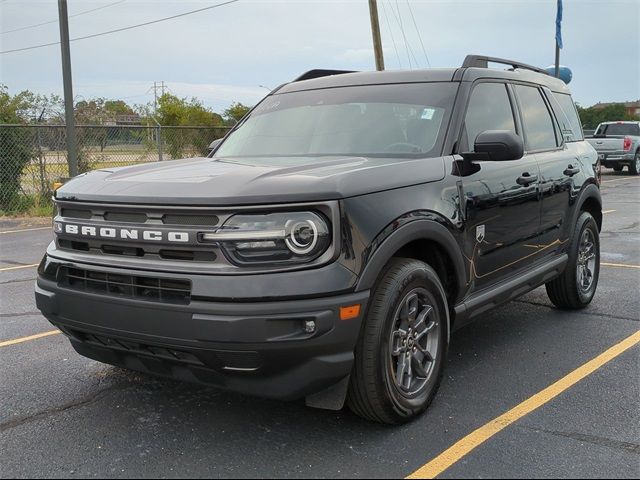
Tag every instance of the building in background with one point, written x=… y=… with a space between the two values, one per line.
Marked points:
x=632 y=108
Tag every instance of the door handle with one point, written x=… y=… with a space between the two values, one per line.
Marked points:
x=571 y=171
x=527 y=179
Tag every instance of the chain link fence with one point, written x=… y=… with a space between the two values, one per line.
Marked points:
x=34 y=157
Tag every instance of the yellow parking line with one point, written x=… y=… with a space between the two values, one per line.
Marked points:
x=24 y=230
x=27 y=339
x=609 y=211
x=18 y=267
x=464 y=446
x=620 y=265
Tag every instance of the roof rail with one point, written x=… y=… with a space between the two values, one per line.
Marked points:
x=481 y=61
x=320 y=73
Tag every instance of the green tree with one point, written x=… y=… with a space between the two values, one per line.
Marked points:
x=15 y=146
x=180 y=112
x=43 y=108
x=592 y=116
x=118 y=107
x=235 y=112
x=177 y=111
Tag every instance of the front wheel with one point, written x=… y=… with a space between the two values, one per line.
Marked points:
x=618 y=168
x=399 y=357
x=634 y=167
x=576 y=286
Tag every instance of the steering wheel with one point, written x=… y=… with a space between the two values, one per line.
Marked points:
x=403 y=147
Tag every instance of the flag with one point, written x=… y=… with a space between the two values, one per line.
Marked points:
x=559 y=25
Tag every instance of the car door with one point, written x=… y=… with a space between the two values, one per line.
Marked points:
x=501 y=200
x=568 y=167
x=557 y=163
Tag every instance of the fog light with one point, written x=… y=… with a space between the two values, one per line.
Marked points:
x=309 y=326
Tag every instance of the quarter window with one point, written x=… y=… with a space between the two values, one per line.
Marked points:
x=539 y=132
x=489 y=109
x=569 y=110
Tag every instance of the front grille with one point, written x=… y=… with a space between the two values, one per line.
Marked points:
x=188 y=219
x=125 y=217
x=162 y=290
x=180 y=219
x=135 y=216
x=76 y=213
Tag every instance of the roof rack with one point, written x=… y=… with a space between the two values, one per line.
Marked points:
x=481 y=61
x=320 y=73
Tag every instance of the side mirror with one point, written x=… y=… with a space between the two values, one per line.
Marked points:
x=495 y=146
x=213 y=145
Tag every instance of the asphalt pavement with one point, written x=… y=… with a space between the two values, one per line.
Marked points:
x=66 y=416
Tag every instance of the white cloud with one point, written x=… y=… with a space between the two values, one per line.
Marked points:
x=224 y=54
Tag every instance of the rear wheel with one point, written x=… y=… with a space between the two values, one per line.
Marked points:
x=634 y=167
x=399 y=358
x=577 y=285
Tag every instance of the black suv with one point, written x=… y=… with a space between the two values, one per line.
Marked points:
x=335 y=238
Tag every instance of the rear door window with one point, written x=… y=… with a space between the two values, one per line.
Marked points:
x=619 y=129
x=539 y=131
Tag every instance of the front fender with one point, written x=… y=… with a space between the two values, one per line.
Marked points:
x=404 y=231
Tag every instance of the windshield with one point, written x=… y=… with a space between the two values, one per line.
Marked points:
x=405 y=120
x=614 y=129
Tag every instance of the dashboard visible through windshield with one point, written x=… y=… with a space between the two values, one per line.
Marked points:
x=405 y=120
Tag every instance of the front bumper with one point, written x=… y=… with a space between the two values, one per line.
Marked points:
x=258 y=348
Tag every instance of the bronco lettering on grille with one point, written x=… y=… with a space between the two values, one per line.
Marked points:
x=121 y=233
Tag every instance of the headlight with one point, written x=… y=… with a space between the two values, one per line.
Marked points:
x=282 y=238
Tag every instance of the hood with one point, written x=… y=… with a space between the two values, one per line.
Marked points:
x=250 y=180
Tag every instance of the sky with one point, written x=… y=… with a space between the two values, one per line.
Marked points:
x=238 y=51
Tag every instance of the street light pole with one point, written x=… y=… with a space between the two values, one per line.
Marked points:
x=68 y=88
x=375 y=31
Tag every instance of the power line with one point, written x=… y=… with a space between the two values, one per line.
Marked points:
x=424 y=50
x=415 y=60
x=56 y=20
x=123 y=28
x=393 y=39
x=408 y=49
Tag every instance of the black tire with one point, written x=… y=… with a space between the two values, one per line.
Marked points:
x=374 y=392
x=634 y=166
x=568 y=290
x=618 y=168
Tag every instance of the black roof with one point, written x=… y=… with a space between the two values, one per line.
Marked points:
x=474 y=68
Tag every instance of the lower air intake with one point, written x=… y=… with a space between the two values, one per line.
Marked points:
x=162 y=290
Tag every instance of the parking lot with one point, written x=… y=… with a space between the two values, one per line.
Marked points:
x=66 y=416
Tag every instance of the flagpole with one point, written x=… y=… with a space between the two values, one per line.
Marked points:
x=558 y=36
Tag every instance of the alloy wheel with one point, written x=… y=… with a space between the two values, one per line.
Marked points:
x=413 y=345
x=586 y=263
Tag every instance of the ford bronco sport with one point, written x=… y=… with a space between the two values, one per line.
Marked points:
x=335 y=238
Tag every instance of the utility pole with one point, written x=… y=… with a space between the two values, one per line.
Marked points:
x=68 y=89
x=157 y=86
x=375 y=31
